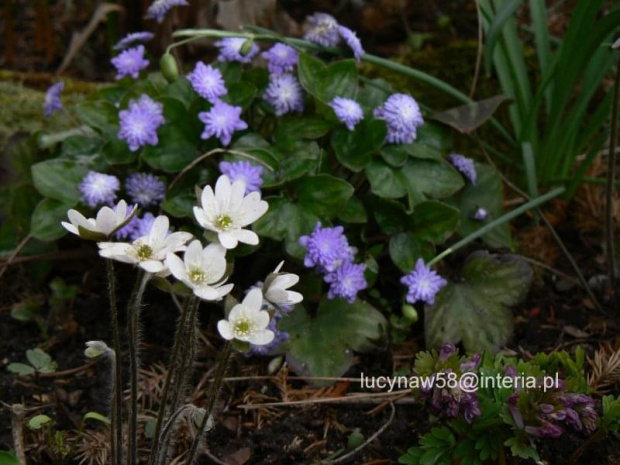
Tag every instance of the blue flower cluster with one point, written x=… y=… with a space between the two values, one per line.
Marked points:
x=422 y=283
x=325 y=30
x=329 y=252
x=249 y=173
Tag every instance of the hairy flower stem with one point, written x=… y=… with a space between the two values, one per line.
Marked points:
x=498 y=222
x=213 y=394
x=117 y=393
x=135 y=303
x=183 y=373
x=171 y=377
x=609 y=191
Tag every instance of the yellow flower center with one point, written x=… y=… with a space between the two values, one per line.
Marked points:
x=197 y=276
x=242 y=327
x=223 y=222
x=144 y=252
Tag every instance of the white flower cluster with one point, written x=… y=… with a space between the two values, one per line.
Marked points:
x=224 y=213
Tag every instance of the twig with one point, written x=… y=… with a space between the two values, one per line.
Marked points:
x=328 y=400
x=347 y=456
x=204 y=156
x=478 y=54
x=15 y=253
x=551 y=269
x=71 y=371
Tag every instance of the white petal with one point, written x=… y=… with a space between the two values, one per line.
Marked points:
x=175 y=242
x=213 y=261
x=284 y=281
x=202 y=219
x=193 y=254
x=223 y=327
x=225 y=289
x=279 y=267
x=227 y=240
x=106 y=220
x=261 y=320
x=69 y=227
x=293 y=298
x=222 y=194
x=176 y=267
x=238 y=311
x=78 y=219
x=208 y=200
x=159 y=230
x=207 y=293
x=262 y=338
x=152 y=266
x=252 y=209
x=246 y=236
x=237 y=192
x=121 y=211
x=254 y=299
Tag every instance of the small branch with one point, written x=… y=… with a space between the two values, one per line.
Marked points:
x=15 y=253
x=330 y=400
x=17 y=424
x=204 y=156
x=380 y=431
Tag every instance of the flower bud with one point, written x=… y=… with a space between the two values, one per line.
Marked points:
x=169 y=67
x=356 y=439
x=95 y=349
x=410 y=313
x=246 y=47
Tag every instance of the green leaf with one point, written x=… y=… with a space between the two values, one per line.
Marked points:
x=26 y=311
x=521 y=449
x=385 y=181
x=116 y=152
x=286 y=221
x=240 y=94
x=41 y=361
x=354 y=212
x=355 y=148
x=476 y=310
x=298 y=160
x=58 y=179
x=97 y=416
x=20 y=369
x=434 y=135
x=99 y=115
x=436 y=180
x=338 y=329
x=178 y=140
x=323 y=195
x=291 y=130
x=406 y=248
x=468 y=118
x=45 y=223
x=79 y=146
x=38 y=421
x=180 y=204
x=6 y=458
x=488 y=193
x=327 y=82
x=388 y=214
x=434 y=221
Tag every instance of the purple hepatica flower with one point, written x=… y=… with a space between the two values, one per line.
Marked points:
x=143 y=228
x=465 y=166
x=230 y=50
x=480 y=214
x=323 y=30
x=347 y=111
x=207 y=82
x=402 y=115
x=284 y=93
x=246 y=171
x=99 y=189
x=222 y=120
x=52 y=99
x=580 y=412
x=130 y=62
x=470 y=407
x=351 y=39
x=281 y=58
x=145 y=189
x=327 y=248
x=139 y=123
x=423 y=283
x=346 y=281
x=159 y=8
x=132 y=38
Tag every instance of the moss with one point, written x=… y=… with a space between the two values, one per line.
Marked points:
x=21 y=103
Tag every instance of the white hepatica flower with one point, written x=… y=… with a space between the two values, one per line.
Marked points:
x=276 y=285
x=227 y=211
x=247 y=322
x=148 y=252
x=201 y=270
x=108 y=221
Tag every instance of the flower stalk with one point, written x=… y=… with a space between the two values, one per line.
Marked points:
x=135 y=304
x=117 y=397
x=213 y=394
